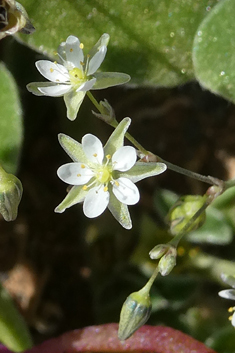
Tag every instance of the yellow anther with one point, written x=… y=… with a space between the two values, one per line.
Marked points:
x=82 y=63
x=83 y=166
x=81 y=46
x=88 y=56
x=108 y=156
x=230 y=318
x=105 y=188
x=71 y=50
x=51 y=69
x=84 y=187
x=78 y=175
x=95 y=154
x=55 y=62
x=57 y=80
x=231 y=309
x=116 y=183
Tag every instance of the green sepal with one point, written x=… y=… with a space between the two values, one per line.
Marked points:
x=119 y=211
x=109 y=79
x=116 y=139
x=143 y=170
x=75 y=195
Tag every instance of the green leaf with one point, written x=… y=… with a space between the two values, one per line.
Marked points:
x=216 y=229
x=11 y=129
x=149 y=40
x=214 y=50
x=14 y=333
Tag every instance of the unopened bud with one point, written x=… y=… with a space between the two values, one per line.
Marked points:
x=158 y=251
x=107 y=112
x=135 y=312
x=10 y=195
x=182 y=212
x=167 y=262
x=13 y=19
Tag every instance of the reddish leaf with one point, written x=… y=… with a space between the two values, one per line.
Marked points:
x=103 y=338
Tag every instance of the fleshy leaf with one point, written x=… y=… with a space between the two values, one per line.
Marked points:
x=11 y=128
x=13 y=330
x=214 y=51
x=104 y=338
x=216 y=230
x=151 y=41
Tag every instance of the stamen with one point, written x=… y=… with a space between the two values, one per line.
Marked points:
x=231 y=309
x=108 y=156
x=95 y=155
x=81 y=46
x=71 y=50
x=84 y=187
x=51 y=69
x=78 y=175
x=105 y=189
x=230 y=318
x=116 y=183
x=55 y=62
x=83 y=166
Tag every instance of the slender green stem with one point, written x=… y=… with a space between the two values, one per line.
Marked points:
x=228 y=184
x=175 y=241
x=207 y=179
x=152 y=279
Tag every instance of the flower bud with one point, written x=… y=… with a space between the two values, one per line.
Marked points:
x=158 y=251
x=167 y=262
x=10 y=195
x=13 y=19
x=108 y=114
x=183 y=210
x=135 y=312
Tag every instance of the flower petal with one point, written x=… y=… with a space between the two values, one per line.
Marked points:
x=75 y=173
x=227 y=294
x=124 y=158
x=93 y=148
x=33 y=87
x=55 y=91
x=110 y=79
x=73 y=101
x=86 y=86
x=233 y=320
x=126 y=191
x=143 y=170
x=95 y=202
x=119 y=211
x=75 y=195
x=74 y=53
x=96 y=60
x=52 y=72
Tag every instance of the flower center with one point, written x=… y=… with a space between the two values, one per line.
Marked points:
x=104 y=174
x=76 y=76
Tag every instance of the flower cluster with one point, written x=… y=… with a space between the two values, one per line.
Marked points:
x=74 y=74
x=104 y=176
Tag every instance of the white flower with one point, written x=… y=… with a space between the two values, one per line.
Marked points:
x=229 y=294
x=104 y=176
x=75 y=74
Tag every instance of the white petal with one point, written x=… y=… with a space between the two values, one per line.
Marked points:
x=126 y=191
x=53 y=72
x=124 y=158
x=75 y=173
x=55 y=91
x=86 y=86
x=74 y=53
x=96 y=60
x=233 y=320
x=227 y=294
x=93 y=148
x=95 y=202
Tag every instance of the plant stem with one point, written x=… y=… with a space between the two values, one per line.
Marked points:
x=154 y=158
